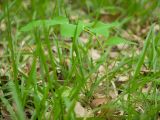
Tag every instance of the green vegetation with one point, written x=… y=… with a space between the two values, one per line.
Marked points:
x=79 y=59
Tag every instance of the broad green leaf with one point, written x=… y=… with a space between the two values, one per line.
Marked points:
x=117 y=40
x=107 y=25
x=101 y=24
x=101 y=31
x=68 y=30
x=40 y=23
x=103 y=28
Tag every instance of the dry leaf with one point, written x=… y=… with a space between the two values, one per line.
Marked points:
x=84 y=38
x=113 y=54
x=113 y=94
x=2 y=26
x=122 y=79
x=1 y=50
x=94 y=54
x=99 y=101
x=79 y=110
x=147 y=87
x=101 y=69
x=125 y=97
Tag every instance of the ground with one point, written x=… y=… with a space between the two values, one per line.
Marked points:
x=70 y=60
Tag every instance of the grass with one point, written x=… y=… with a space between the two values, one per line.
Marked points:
x=47 y=67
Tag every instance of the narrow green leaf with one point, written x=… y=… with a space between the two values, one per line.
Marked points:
x=9 y=108
x=117 y=40
x=143 y=53
x=17 y=99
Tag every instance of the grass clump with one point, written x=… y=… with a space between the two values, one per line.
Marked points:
x=55 y=65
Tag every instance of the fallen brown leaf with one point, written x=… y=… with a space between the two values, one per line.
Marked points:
x=1 y=50
x=94 y=54
x=79 y=110
x=99 y=101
